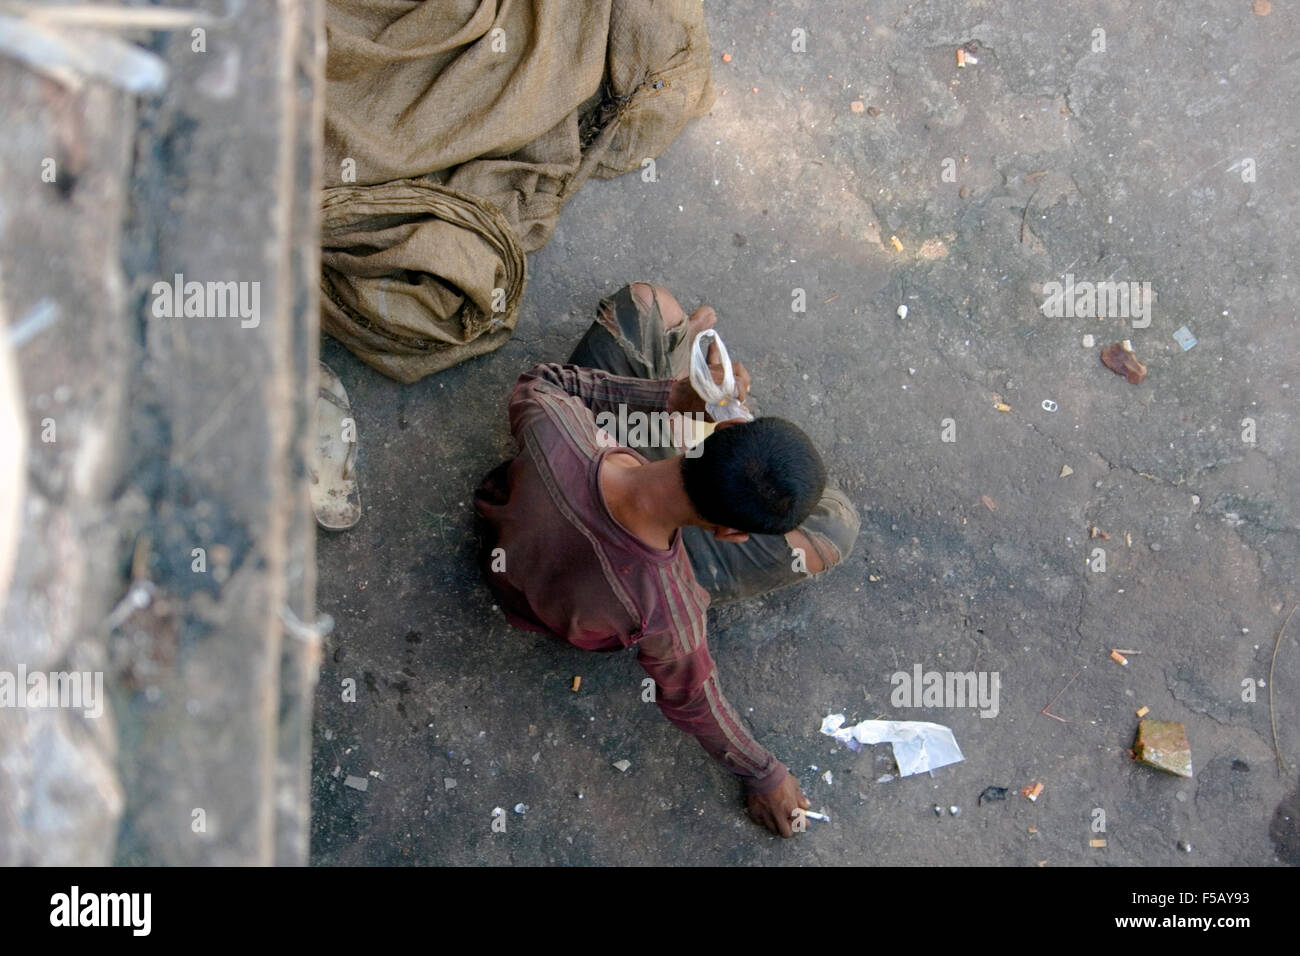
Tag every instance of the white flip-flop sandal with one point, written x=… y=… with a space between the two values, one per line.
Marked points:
x=335 y=498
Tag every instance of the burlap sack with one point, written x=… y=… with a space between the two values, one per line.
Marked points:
x=455 y=132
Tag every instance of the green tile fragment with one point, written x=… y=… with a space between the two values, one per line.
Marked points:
x=1163 y=744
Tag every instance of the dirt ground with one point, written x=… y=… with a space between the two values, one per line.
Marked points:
x=1167 y=157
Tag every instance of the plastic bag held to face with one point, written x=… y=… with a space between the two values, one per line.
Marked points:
x=918 y=746
x=722 y=402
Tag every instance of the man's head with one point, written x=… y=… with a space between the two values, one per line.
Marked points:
x=759 y=477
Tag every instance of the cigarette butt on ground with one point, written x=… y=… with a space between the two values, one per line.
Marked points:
x=1033 y=791
x=577 y=682
x=898 y=246
x=1096 y=843
x=1143 y=711
x=1119 y=658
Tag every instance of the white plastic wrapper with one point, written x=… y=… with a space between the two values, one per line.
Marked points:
x=918 y=746
x=720 y=401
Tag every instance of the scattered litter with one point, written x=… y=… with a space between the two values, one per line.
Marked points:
x=356 y=783
x=902 y=311
x=898 y=246
x=521 y=808
x=1002 y=406
x=992 y=793
x=1119 y=658
x=577 y=682
x=1119 y=358
x=1066 y=471
x=813 y=815
x=1049 y=405
x=1031 y=830
x=858 y=106
x=1184 y=846
x=918 y=746
x=1033 y=791
x=726 y=58
x=448 y=783
x=830 y=781
x=988 y=503
x=1089 y=341
x=377 y=774
x=938 y=810
x=498 y=811
x=1261 y=8
x=622 y=765
x=1096 y=843
x=1163 y=744
x=885 y=778
x=1095 y=532
x=1185 y=338
x=537 y=756
x=961 y=57
x=873 y=578
x=1143 y=710
x=955 y=811
x=1046 y=711
x=1128 y=540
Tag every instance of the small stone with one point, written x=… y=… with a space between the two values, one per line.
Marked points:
x=356 y=783
x=622 y=765
x=448 y=783
x=873 y=110
x=955 y=811
x=828 y=778
x=1089 y=341
x=902 y=312
x=963 y=192
x=938 y=810
x=1066 y=471
x=1184 y=846
x=858 y=106
x=521 y=808
x=498 y=811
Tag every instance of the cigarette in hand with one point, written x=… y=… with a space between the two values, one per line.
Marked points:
x=811 y=814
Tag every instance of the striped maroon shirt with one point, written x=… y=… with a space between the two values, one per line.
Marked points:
x=572 y=571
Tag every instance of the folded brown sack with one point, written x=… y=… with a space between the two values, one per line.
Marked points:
x=455 y=133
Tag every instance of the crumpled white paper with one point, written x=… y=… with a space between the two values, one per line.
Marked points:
x=918 y=746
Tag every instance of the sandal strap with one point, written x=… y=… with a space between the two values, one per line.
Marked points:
x=334 y=400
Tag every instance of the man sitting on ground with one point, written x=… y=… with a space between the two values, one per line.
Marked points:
x=607 y=546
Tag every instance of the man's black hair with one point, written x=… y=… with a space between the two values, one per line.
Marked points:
x=760 y=477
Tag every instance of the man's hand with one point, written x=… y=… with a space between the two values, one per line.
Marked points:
x=775 y=810
x=683 y=397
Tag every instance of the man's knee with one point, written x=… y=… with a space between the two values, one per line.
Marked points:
x=670 y=310
x=832 y=528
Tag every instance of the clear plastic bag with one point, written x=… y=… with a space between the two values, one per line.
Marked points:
x=721 y=401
